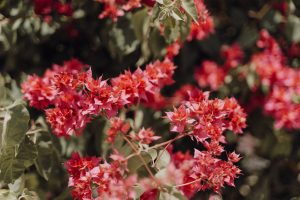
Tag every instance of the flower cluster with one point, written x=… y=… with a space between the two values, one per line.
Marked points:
x=270 y=64
x=197 y=117
x=203 y=171
x=47 y=7
x=119 y=126
x=282 y=101
x=71 y=97
x=92 y=178
x=75 y=96
x=204 y=118
x=115 y=9
x=210 y=74
x=205 y=25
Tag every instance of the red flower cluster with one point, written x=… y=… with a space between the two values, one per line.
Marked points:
x=144 y=136
x=173 y=50
x=46 y=7
x=117 y=125
x=210 y=74
x=92 y=180
x=204 y=171
x=76 y=97
x=116 y=8
x=205 y=25
x=198 y=117
x=203 y=118
x=283 y=82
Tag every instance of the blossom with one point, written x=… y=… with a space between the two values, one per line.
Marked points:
x=38 y=92
x=209 y=74
x=271 y=67
x=46 y=7
x=189 y=92
x=203 y=171
x=43 y=7
x=144 y=136
x=173 y=50
x=208 y=118
x=205 y=25
x=116 y=125
x=178 y=118
x=149 y=194
x=216 y=172
x=71 y=97
x=115 y=9
x=88 y=176
x=232 y=55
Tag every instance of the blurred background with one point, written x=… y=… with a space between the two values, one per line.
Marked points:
x=31 y=42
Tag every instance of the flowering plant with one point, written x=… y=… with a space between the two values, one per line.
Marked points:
x=149 y=99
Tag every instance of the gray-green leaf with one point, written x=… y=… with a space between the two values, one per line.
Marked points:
x=190 y=8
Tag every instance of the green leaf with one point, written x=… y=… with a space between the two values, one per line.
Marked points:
x=190 y=8
x=15 y=125
x=3 y=92
x=7 y=195
x=138 y=21
x=171 y=193
x=292 y=29
x=164 y=159
x=45 y=151
x=14 y=160
x=28 y=195
x=17 y=186
x=160 y=1
x=135 y=162
x=139 y=190
x=138 y=119
x=176 y=14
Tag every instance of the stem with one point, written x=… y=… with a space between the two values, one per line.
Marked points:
x=141 y=158
x=188 y=183
x=169 y=141
x=166 y=144
x=160 y=154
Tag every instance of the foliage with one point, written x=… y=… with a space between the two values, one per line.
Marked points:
x=126 y=112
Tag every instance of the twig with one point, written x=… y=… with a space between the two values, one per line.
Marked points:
x=188 y=183
x=141 y=158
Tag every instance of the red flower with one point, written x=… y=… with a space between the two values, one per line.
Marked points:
x=209 y=74
x=232 y=55
x=38 y=92
x=149 y=194
x=145 y=136
x=46 y=7
x=64 y=9
x=43 y=7
x=76 y=96
x=173 y=50
x=115 y=9
x=178 y=118
x=205 y=25
x=149 y=3
x=116 y=126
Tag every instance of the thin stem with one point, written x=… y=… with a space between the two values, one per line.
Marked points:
x=141 y=158
x=188 y=183
x=169 y=141
x=160 y=154
x=166 y=144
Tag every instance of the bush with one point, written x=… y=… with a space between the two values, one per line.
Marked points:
x=145 y=99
